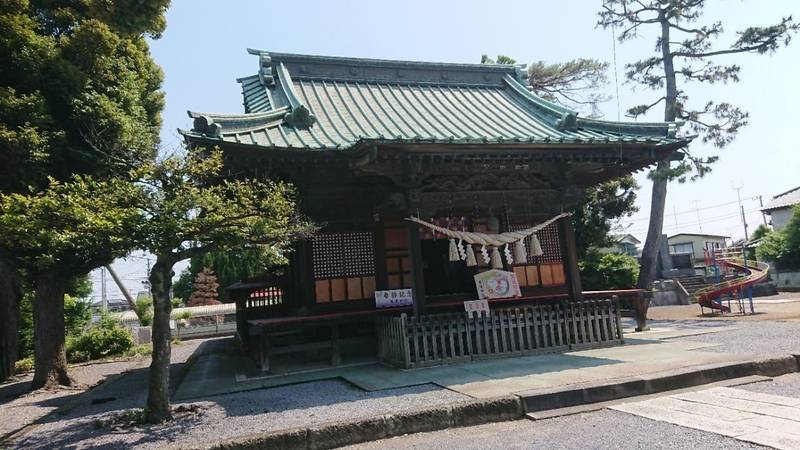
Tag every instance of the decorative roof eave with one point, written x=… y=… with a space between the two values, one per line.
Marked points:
x=299 y=116
x=216 y=125
x=669 y=144
x=566 y=119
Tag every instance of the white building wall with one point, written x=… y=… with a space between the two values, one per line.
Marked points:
x=780 y=217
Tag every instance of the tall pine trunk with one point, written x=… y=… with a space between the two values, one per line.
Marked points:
x=649 y=265
x=10 y=298
x=158 y=407
x=49 y=334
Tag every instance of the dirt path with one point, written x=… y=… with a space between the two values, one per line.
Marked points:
x=782 y=307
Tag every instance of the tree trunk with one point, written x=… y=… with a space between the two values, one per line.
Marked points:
x=10 y=297
x=652 y=245
x=48 y=329
x=158 y=407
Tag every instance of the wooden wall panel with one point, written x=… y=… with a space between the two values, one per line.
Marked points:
x=547 y=274
x=532 y=274
x=354 y=289
x=396 y=238
x=519 y=271
x=395 y=282
x=368 y=285
x=338 y=290
x=558 y=274
x=322 y=291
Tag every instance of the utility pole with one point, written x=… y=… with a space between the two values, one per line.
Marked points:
x=103 y=294
x=697 y=210
x=761 y=206
x=122 y=288
x=741 y=208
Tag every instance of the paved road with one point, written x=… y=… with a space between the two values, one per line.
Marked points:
x=716 y=418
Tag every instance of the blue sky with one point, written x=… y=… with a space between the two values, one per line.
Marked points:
x=202 y=52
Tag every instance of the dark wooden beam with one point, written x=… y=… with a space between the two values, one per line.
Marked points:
x=569 y=253
x=417 y=276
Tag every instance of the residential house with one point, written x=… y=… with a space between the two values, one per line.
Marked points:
x=781 y=206
x=695 y=244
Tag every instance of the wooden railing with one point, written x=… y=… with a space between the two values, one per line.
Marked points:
x=259 y=303
x=408 y=342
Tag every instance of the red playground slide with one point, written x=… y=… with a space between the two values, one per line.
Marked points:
x=708 y=296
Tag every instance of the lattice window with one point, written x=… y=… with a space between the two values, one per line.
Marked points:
x=549 y=240
x=340 y=255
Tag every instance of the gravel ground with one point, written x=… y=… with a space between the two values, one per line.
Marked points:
x=19 y=408
x=786 y=385
x=756 y=339
x=604 y=429
x=234 y=415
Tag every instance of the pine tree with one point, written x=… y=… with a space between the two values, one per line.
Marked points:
x=204 y=290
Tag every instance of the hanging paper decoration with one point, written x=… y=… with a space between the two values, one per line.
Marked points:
x=519 y=251
x=497 y=262
x=471 y=262
x=485 y=254
x=536 y=247
x=453 y=251
x=507 y=253
x=493 y=240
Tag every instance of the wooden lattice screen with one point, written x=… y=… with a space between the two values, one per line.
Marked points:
x=546 y=269
x=344 y=266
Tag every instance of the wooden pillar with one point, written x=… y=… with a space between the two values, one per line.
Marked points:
x=417 y=277
x=569 y=254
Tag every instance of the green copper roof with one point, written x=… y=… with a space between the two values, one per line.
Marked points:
x=316 y=102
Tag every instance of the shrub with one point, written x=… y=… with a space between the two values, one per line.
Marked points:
x=106 y=338
x=24 y=365
x=144 y=311
x=140 y=350
x=601 y=271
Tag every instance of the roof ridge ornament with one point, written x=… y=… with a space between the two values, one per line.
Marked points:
x=265 y=69
x=206 y=126
x=299 y=116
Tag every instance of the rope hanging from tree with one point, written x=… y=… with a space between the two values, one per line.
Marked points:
x=492 y=240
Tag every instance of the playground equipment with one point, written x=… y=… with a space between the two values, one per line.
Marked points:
x=733 y=262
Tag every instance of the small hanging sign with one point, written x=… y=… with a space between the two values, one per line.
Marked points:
x=476 y=307
x=393 y=298
x=497 y=284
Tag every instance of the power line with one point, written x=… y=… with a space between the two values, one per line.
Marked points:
x=694 y=211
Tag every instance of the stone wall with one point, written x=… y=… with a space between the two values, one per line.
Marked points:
x=786 y=281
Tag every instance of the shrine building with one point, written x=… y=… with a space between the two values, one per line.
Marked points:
x=433 y=184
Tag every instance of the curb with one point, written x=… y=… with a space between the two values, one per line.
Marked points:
x=535 y=401
x=499 y=409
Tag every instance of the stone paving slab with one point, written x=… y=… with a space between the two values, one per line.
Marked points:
x=762 y=419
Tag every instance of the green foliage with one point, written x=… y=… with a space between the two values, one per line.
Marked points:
x=760 y=231
x=601 y=206
x=783 y=246
x=140 y=350
x=24 y=365
x=601 y=271
x=77 y=315
x=104 y=339
x=144 y=310
x=77 y=75
x=72 y=227
x=191 y=210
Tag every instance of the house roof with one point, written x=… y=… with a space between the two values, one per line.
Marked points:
x=328 y=103
x=629 y=237
x=699 y=234
x=784 y=200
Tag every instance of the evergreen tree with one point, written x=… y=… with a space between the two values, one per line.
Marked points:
x=75 y=77
x=204 y=289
